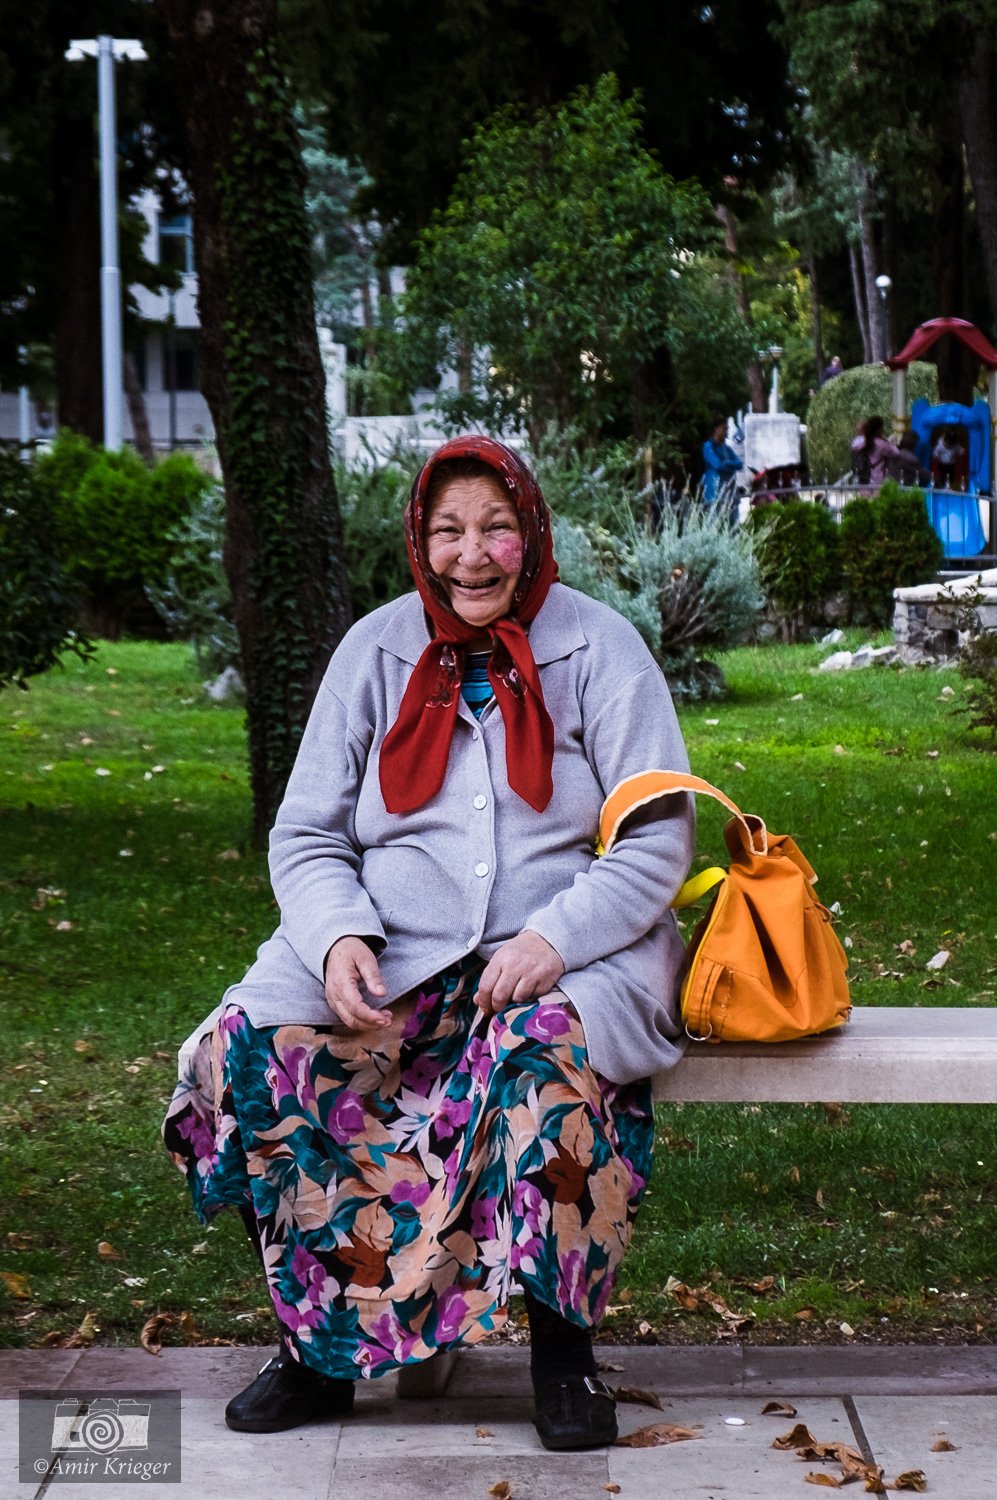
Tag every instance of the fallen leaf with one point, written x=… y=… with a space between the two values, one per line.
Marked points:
x=502 y=1490
x=939 y=959
x=911 y=1479
x=229 y=854
x=778 y=1409
x=799 y=1436
x=804 y=1314
x=614 y=1489
x=19 y=1239
x=906 y=946
x=106 y=1251
x=150 y=1337
x=85 y=1334
x=644 y=1328
x=64 y=926
x=637 y=1397
x=657 y=1435
x=827 y=1480
x=942 y=1445
x=483 y=1432
x=82 y=1046
x=738 y=766
x=765 y=1285
x=16 y=1284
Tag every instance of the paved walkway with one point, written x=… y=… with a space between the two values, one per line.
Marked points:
x=892 y=1403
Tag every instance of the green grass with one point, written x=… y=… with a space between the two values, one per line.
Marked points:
x=857 y=1216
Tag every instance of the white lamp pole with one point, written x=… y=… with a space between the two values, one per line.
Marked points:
x=107 y=51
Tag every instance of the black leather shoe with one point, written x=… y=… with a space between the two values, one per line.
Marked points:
x=576 y=1413
x=286 y=1394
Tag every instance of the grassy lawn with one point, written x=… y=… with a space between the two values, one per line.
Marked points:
x=128 y=901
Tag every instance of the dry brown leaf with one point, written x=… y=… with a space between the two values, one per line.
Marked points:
x=16 y=1284
x=657 y=1435
x=827 y=1480
x=52 y=1340
x=765 y=1285
x=793 y=1174
x=637 y=1397
x=84 y=1335
x=106 y=1251
x=613 y=1489
x=483 y=1432
x=82 y=1046
x=19 y=1239
x=150 y=1337
x=799 y=1436
x=778 y=1409
x=942 y=1445
x=911 y=1479
x=804 y=1315
x=501 y=1490
x=873 y=1481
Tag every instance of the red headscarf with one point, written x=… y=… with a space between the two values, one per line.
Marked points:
x=416 y=749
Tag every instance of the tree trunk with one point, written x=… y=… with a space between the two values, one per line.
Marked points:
x=948 y=203
x=873 y=305
x=753 y=373
x=976 y=92
x=76 y=333
x=818 y=319
x=262 y=371
x=858 y=296
x=137 y=409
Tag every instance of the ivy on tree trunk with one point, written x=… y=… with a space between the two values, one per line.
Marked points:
x=261 y=369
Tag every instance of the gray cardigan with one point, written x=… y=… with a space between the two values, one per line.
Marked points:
x=476 y=864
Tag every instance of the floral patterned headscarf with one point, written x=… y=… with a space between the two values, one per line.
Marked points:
x=416 y=749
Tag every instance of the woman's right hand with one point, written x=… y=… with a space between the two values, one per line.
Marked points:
x=348 y=964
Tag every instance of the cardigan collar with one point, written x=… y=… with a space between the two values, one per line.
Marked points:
x=555 y=632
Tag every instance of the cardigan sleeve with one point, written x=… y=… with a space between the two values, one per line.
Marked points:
x=626 y=892
x=315 y=857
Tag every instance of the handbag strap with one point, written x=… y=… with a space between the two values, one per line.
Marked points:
x=647 y=786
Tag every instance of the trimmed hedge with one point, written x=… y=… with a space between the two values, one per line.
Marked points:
x=866 y=391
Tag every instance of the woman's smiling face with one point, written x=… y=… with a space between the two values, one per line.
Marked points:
x=475 y=548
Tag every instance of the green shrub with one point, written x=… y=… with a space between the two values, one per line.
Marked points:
x=687 y=582
x=866 y=391
x=887 y=542
x=372 y=504
x=113 y=521
x=978 y=665
x=38 y=603
x=798 y=552
x=194 y=600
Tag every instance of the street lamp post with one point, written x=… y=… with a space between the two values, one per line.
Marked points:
x=774 y=353
x=884 y=285
x=108 y=50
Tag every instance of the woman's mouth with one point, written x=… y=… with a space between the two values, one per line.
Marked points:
x=476 y=586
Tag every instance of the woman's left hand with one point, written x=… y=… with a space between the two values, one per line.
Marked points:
x=522 y=969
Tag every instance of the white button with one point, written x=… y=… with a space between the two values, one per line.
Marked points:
x=481 y=870
x=481 y=800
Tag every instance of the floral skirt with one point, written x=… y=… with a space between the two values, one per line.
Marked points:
x=405 y=1182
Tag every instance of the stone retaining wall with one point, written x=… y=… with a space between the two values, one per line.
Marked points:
x=924 y=618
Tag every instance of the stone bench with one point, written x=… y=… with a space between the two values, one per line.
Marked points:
x=888 y=1055
x=905 y=1054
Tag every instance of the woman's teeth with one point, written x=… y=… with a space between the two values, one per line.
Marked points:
x=489 y=583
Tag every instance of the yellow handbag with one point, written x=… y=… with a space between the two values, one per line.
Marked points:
x=764 y=964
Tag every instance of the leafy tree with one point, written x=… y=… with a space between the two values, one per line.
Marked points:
x=575 y=265
x=262 y=372
x=38 y=603
x=407 y=85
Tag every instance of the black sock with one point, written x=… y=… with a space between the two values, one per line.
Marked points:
x=559 y=1349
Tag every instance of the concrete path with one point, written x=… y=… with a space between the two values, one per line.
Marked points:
x=892 y=1403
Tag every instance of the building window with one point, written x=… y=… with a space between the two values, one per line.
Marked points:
x=176 y=243
x=180 y=359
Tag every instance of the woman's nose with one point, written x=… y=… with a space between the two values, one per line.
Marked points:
x=472 y=547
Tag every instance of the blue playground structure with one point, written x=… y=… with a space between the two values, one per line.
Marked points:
x=953 y=498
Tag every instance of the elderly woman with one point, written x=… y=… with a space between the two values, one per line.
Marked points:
x=431 y=1090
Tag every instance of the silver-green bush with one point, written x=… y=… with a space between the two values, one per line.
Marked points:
x=682 y=576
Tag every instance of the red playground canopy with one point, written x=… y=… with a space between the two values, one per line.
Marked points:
x=922 y=338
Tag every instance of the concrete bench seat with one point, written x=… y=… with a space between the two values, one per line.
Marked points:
x=888 y=1055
